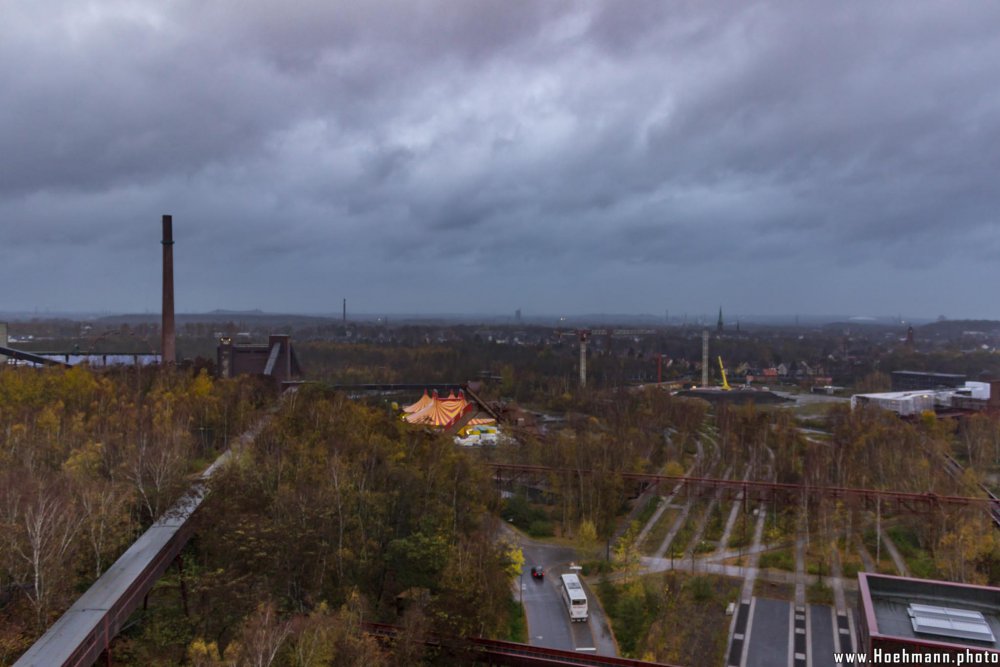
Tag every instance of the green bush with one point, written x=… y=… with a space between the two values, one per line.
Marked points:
x=633 y=615
x=819 y=593
x=540 y=529
x=592 y=567
x=817 y=567
x=608 y=593
x=648 y=511
x=713 y=531
x=922 y=566
x=870 y=540
x=704 y=547
x=701 y=589
x=905 y=539
x=671 y=612
x=742 y=533
x=517 y=630
x=519 y=512
x=780 y=560
x=920 y=562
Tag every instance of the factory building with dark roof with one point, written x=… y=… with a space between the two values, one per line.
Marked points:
x=277 y=359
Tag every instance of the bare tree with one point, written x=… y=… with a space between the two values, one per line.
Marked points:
x=263 y=636
x=48 y=525
x=156 y=469
x=103 y=518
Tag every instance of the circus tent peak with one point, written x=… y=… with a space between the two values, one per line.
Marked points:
x=423 y=402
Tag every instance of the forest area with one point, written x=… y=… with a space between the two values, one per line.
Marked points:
x=88 y=461
x=333 y=515
x=338 y=514
x=864 y=448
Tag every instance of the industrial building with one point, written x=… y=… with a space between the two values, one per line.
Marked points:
x=903 y=403
x=969 y=397
x=276 y=359
x=914 y=380
x=9 y=355
x=920 y=616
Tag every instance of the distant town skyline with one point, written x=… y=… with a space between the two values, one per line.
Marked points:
x=555 y=157
x=705 y=320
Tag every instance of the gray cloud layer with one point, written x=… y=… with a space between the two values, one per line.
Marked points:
x=483 y=156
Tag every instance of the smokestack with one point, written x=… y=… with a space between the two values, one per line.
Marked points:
x=584 y=335
x=704 y=358
x=168 y=342
x=345 y=311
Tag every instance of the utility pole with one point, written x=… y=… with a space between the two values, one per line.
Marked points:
x=704 y=358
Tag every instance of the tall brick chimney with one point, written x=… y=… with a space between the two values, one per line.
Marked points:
x=168 y=341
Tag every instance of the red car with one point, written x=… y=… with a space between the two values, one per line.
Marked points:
x=537 y=573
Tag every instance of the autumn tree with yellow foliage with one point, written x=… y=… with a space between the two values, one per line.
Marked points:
x=87 y=461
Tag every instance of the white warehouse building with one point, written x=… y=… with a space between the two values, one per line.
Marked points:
x=911 y=403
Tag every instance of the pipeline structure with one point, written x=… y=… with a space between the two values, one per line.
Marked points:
x=88 y=627
x=770 y=492
x=85 y=631
x=496 y=652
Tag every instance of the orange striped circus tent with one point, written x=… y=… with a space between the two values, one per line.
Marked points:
x=424 y=401
x=440 y=412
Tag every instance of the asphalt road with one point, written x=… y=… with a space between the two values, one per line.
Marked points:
x=548 y=621
x=774 y=639
x=769 y=634
x=821 y=620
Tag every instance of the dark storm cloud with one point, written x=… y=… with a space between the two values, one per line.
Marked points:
x=549 y=155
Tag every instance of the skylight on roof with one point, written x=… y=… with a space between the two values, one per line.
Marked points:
x=950 y=622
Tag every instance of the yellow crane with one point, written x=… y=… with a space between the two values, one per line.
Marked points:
x=725 y=382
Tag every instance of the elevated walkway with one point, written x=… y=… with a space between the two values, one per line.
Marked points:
x=87 y=628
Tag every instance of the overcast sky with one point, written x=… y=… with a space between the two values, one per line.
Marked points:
x=474 y=156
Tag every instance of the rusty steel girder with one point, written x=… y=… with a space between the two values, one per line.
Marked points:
x=776 y=492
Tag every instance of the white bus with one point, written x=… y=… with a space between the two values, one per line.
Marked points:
x=574 y=598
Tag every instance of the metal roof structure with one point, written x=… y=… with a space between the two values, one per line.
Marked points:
x=757 y=491
x=498 y=652
x=928 y=619
x=30 y=357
